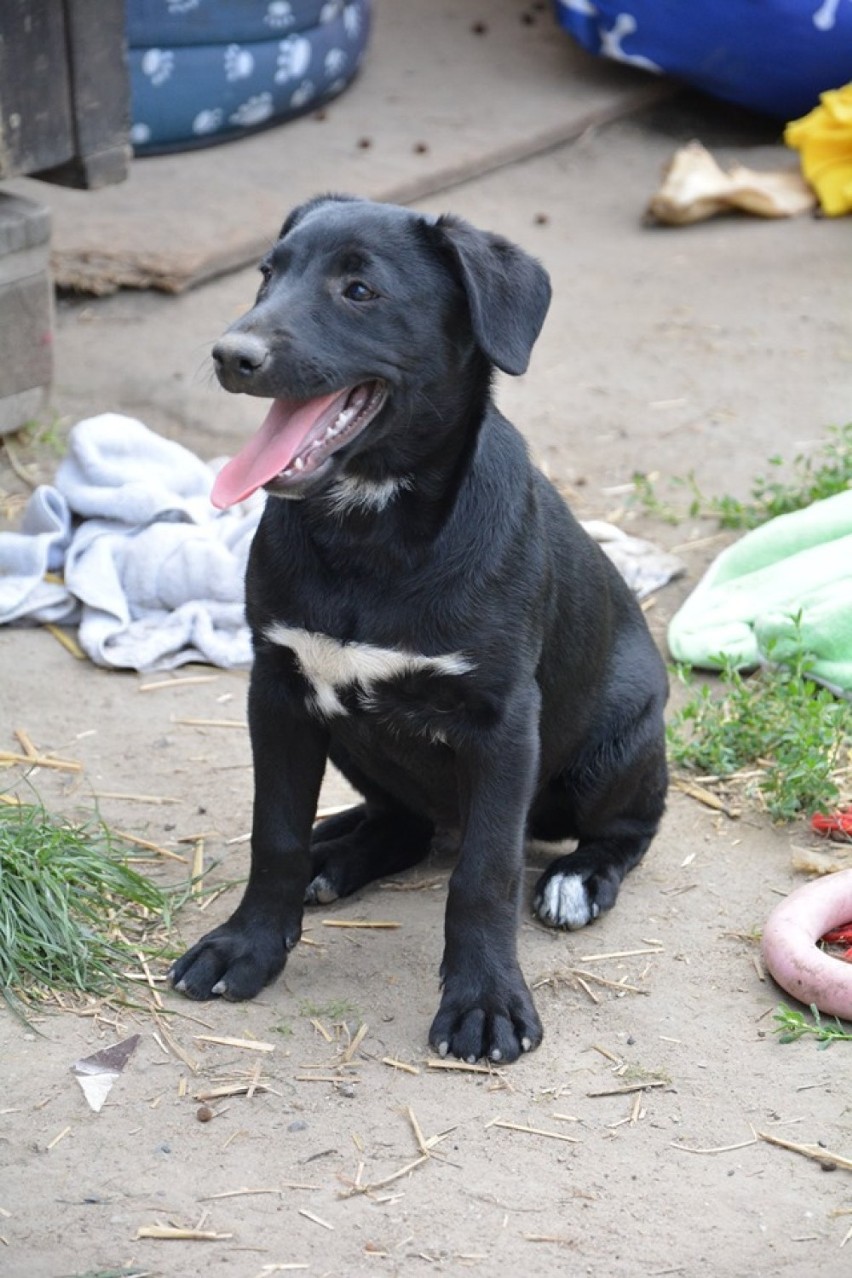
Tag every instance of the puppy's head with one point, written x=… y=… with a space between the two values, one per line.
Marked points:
x=371 y=320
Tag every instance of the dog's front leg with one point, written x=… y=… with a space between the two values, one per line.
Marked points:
x=486 y=1009
x=289 y=749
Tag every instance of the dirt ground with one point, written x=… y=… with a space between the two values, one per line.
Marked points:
x=626 y=1144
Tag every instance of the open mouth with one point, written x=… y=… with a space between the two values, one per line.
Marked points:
x=295 y=439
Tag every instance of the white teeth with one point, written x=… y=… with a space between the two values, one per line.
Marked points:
x=299 y=463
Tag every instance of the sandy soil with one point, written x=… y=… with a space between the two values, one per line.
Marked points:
x=673 y=351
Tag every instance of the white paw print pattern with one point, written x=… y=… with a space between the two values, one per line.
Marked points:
x=158 y=65
x=335 y=61
x=330 y=11
x=279 y=14
x=826 y=15
x=303 y=94
x=294 y=58
x=239 y=63
x=352 y=18
x=253 y=111
x=140 y=134
x=182 y=6
x=207 y=121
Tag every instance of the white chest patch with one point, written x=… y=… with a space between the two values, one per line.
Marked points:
x=351 y=493
x=330 y=665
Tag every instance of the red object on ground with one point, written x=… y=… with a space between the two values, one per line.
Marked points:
x=839 y=822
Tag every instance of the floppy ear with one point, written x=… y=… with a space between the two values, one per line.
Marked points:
x=508 y=292
x=301 y=210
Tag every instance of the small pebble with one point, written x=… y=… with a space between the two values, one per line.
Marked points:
x=298 y=1125
x=364 y=144
x=479 y=28
x=204 y=1113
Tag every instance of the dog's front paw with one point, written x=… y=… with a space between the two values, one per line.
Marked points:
x=570 y=894
x=494 y=1020
x=233 y=961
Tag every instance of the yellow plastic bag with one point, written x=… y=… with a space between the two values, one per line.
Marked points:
x=823 y=138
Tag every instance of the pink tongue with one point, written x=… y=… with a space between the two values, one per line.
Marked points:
x=285 y=428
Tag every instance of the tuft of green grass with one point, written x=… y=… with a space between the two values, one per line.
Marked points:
x=72 y=912
x=810 y=477
x=777 y=723
x=335 y=1010
x=792 y=1025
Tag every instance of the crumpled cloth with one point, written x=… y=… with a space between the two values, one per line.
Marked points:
x=126 y=544
x=745 y=607
x=642 y=564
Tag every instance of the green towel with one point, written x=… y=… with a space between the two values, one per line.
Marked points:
x=750 y=596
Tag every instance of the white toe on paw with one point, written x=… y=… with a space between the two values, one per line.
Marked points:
x=220 y=988
x=321 y=891
x=564 y=902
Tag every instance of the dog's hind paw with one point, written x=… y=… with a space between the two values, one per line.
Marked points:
x=321 y=891
x=571 y=897
x=563 y=901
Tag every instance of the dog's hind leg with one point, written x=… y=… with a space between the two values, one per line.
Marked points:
x=614 y=825
x=365 y=842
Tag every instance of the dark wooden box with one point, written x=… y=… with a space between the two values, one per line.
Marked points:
x=64 y=91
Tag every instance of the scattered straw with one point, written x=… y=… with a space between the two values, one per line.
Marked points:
x=149 y=979
x=386 y=1180
x=61 y=1136
x=631 y=1087
x=532 y=1131
x=248 y=1044
x=461 y=1067
x=168 y=1233
x=617 y=954
x=197 y=871
x=236 y=1193
x=360 y=923
x=129 y=797
x=318 y=1220
x=551 y=1238
x=232 y=1089
x=713 y=1149
x=346 y=1056
x=212 y=723
x=418 y=1131
x=815 y=1152
x=68 y=642
x=394 y=1064
x=149 y=846
x=610 y=985
x=707 y=797
x=176 y=683
x=41 y=761
x=175 y=1048
x=604 y=1051
x=587 y=990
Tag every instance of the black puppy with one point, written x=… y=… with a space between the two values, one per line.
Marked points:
x=426 y=613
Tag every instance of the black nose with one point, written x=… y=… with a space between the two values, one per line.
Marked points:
x=239 y=355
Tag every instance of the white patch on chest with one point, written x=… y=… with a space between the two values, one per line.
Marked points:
x=329 y=665
x=349 y=492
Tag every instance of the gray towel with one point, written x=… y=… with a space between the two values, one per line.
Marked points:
x=149 y=569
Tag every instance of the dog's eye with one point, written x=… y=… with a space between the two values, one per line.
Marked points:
x=358 y=291
x=265 y=272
